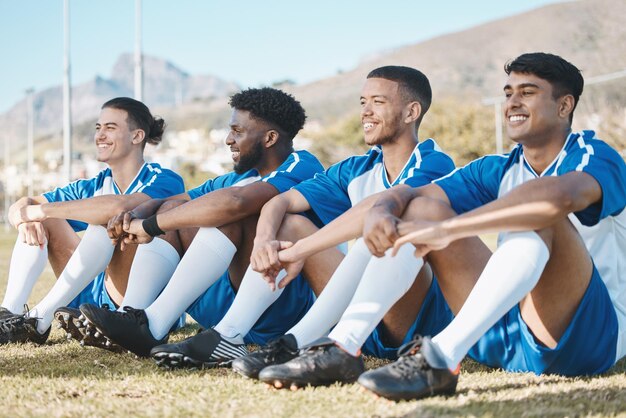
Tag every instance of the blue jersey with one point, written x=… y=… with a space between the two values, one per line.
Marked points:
x=151 y=179
x=346 y=183
x=299 y=166
x=602 y=225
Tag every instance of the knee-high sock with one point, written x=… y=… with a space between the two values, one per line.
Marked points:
x=206 y=259
x=90 y=258
x=27 y=264
x=335 y=297
x=385 y=280
x=511 y=273
x=253 y=298
x=153 y=266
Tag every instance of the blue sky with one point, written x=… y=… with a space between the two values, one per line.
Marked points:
x=249 y=42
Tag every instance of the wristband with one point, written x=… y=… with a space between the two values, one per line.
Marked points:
x=151 y=227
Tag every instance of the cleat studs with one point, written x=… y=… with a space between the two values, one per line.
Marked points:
x=68 y=336
x=82 y=343
x=59 y=326
x=81 y=318
x=278 y=384
x=293 y=387
x=97 y=335
x=66 y=317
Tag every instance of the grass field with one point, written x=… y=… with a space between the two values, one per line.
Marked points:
x=63 y=379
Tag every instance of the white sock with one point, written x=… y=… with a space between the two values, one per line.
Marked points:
x=27 y=264
x=206 y=259
x=90 y=258
x=385 y=280
x=253 y=298
x=335 y=297
x=153 y=265
x=511 y=273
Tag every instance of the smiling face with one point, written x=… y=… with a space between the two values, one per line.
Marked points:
x=382 y=111
x=532 y=115
x=246 y=139
x=113 y=137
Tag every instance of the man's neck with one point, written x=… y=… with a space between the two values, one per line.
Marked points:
x=124 y=172
x=272 y=161
x=542 y=153
x=396 y=154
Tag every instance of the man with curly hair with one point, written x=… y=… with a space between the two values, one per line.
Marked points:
x=212 y=227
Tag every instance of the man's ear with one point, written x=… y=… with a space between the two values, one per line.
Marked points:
x=566 y=105
x=271 y=137
x=138 y=136
x=413 y=112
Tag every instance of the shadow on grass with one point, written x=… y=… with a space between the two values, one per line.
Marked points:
x=601 y=401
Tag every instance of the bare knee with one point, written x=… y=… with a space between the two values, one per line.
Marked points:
x=428 y=209
x=170 y=204
x=295 y=227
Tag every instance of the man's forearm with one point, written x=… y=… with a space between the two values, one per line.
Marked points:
x=96 y=210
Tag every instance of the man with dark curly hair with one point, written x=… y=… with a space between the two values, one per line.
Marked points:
x=211 y=227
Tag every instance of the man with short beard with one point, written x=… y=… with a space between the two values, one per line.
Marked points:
x=210 y=226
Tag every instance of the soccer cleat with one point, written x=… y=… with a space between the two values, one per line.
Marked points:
x=72 y=322
x=277 y=351
x=204 y=350
x=419 y=372
x=320 y=364
x=5 y=313
x=21 y=329
x=128 y=329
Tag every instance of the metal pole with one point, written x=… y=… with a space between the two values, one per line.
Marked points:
x=30 y=110
x=138 y=54
x=498 y=112
x=67 y=97
x=7 y=199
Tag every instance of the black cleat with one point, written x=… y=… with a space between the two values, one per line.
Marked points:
x=128 y=329
x=72 y=322
x=418 y=373
x=320 y=364
x=206 y=349
x=277 y=351
x=21 y=329
x=5 y=313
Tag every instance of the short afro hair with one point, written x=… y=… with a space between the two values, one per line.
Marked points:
x=273 y=106
x=414 y=85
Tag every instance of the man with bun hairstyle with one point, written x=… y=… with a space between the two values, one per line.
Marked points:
x=48 y=224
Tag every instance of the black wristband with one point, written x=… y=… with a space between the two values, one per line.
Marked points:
x=151 y=226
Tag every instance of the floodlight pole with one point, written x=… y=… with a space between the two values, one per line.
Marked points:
x=30 y=110
x=138 y=53
x=67 y=96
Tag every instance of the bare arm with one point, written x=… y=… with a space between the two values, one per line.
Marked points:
x=531 y=206
x=95 y=210
x=216 y=208
x=380 y=227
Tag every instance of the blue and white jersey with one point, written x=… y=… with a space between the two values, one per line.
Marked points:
x=602 y=225
x=151 y=179
x=346 y=183
x=299 y=166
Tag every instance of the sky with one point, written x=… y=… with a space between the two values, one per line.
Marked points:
x=249 y=42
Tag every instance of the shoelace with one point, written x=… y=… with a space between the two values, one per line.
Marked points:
x=408 y=362
x=10 y=324
x=274 y=349
x=132 y=313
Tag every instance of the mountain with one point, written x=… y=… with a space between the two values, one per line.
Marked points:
x=469 y=64
x=165 y=86
x=465 y=65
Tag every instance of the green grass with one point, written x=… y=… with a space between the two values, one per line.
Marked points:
x=63 y=379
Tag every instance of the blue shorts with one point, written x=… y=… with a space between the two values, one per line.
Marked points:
x=434 y=316
x=295 y=301
x=95 y=293
x=588 y=345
